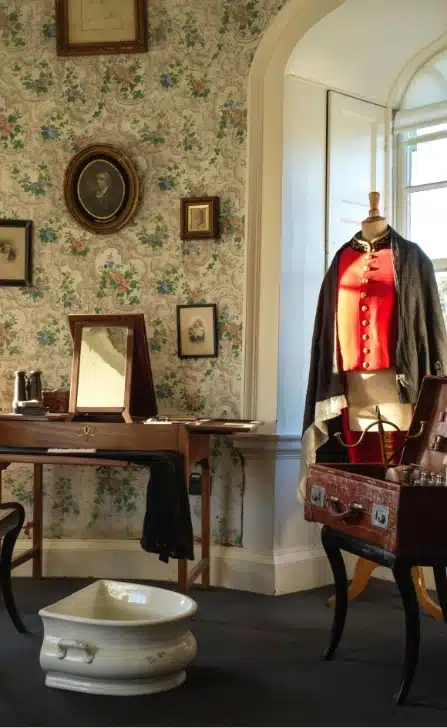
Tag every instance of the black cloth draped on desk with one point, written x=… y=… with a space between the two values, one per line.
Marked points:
x=167 y=526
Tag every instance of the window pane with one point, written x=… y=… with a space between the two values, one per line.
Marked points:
x=428 y=162
x=442 y=285
x=432 y=129
x=428 y=221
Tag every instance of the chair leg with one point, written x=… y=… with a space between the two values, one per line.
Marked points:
x=441 y=588
x=9 y=542
x=433 y=609
x=362 y=572
x=404 y=581
x=341 y=591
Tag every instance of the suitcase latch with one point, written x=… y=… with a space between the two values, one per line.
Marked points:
x=317 y=494
x=380 y=515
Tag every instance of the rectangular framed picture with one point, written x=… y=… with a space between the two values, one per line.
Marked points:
x=199 y=218
x=197 y=330
x=16 y=252
x=92 y=27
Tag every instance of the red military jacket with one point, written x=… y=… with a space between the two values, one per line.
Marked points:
x=366 y=310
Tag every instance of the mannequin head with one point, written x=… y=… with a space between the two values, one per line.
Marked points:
x=374 y=226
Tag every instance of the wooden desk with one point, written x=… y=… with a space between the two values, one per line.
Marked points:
x=190 y=437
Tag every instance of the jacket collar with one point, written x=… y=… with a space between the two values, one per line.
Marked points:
x=364 y=246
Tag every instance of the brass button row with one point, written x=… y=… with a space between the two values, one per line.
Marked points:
x=364 y=308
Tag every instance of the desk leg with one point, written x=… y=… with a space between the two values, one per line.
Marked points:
x=182 y=575
x=37 y=521
x=341 y=591
x=205 y=518
x=404 y=581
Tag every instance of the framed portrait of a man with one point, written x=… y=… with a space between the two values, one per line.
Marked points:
x=101 y=188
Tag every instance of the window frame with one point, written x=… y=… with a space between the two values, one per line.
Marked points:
x=404 y=140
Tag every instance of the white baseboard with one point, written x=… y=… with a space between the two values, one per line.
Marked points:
x=284 y=572
x=306 y=568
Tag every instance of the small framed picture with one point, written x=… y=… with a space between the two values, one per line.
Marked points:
x=101 y=188
x=91 y=27
x=199 y=217
x=16 y=252
x=197 y=330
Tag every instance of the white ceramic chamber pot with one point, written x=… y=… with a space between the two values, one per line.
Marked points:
x=114 y=638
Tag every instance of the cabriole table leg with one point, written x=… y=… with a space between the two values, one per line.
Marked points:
x=403 y=577
x=341 y=590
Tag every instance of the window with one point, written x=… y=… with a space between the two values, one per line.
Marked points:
x=421 y=129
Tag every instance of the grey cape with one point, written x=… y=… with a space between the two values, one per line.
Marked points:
x=421 y=346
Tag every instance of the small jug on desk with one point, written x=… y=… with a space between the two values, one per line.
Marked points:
x=19 y=390
x=35 y=385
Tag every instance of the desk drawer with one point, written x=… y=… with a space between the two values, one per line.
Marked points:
x=98 y=435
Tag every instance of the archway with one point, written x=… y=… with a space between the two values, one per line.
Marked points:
x=264 y=191
x=263 y=203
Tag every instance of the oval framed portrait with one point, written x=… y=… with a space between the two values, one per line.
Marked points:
x=101 y=188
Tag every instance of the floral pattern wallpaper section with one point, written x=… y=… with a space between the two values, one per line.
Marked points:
x=180 y=113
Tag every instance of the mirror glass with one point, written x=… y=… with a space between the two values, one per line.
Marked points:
x=102 y=366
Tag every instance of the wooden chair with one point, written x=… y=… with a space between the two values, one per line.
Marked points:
x=12 y=516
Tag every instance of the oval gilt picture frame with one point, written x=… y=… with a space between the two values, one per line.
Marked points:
x=101 y=188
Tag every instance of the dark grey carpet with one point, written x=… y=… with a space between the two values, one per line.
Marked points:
x=259 y=663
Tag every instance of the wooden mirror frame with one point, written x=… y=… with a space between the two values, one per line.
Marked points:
x=139 y=392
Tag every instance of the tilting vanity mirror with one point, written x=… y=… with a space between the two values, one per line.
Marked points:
x=111 y=371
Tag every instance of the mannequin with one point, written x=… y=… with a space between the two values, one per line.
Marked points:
x=371 y=346
x=366 y=390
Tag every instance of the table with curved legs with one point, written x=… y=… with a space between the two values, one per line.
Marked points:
x=334 y=542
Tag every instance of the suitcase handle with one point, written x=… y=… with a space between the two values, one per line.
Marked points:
x=354 y=509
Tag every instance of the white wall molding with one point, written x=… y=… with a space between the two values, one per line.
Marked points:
x=280 y=572
x=258 y=445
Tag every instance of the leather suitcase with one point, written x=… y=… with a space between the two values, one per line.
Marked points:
x=357 y=500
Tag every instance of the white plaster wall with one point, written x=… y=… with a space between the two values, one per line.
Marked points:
x=361 y=47
x=291 y=531
x=303 y=241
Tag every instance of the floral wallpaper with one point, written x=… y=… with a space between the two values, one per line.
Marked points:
x=179 y=112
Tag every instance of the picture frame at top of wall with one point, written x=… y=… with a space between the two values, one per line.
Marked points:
x=101 y=188
x=93 y=27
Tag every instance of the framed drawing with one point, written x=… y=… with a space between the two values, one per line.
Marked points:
x=91 y=27
x=197 y=330
x=101 y=188
x=16 y=252
x=199 y=217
